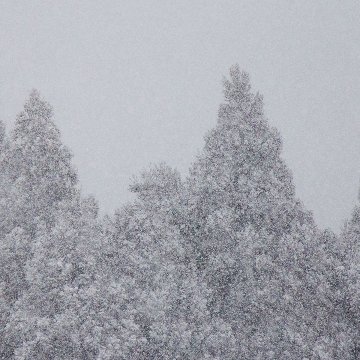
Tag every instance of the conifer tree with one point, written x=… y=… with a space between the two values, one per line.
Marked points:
x=252 y=238
x=224 y=265
x=14 y=247
x=40 y=166
x=53 y=319
x=37 y=177
x=170 y=306
x=350 y=296
x=336 y=331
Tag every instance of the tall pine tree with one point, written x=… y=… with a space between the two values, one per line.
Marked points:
x=251 y=237
x=40 y=166
x=37 y=179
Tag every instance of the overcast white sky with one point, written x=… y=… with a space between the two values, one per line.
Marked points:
x=134 y=82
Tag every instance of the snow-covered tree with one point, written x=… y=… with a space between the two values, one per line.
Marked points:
x=36 y=177
x=14 y=252
x=224 y=265
x=52 y=319
x=40 y=166
x=350 y=268
x=336 y=335
x=169 y=306
x=251 y=236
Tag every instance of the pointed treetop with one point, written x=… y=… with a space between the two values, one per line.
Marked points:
x=238 y=96
x=37 y=107
x=36 y=120
x=40 y=165
x=238 y=86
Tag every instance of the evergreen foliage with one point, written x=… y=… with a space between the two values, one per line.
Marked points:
x=224 y=264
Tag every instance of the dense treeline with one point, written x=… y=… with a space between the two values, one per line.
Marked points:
x=225 y=264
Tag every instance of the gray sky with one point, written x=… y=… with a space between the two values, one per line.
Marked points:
x=134 y=82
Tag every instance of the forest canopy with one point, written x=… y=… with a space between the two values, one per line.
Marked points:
x=224 y=264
